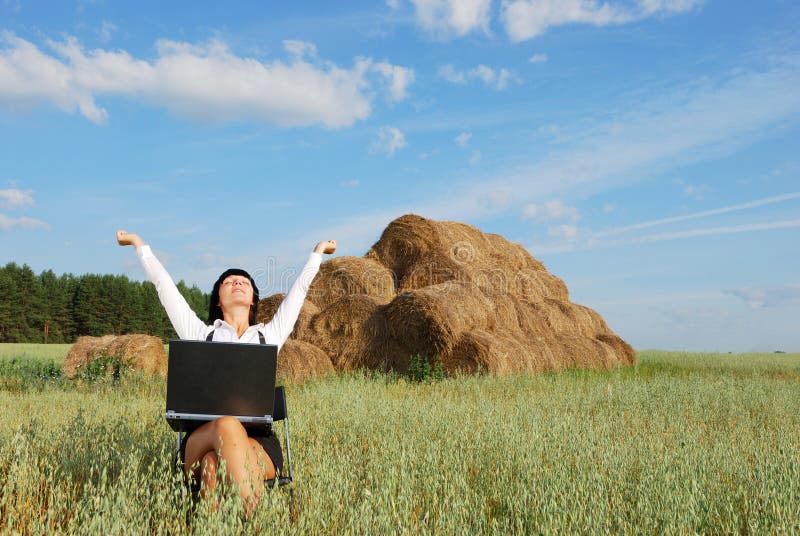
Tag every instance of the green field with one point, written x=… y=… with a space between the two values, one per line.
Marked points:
x=683 y=443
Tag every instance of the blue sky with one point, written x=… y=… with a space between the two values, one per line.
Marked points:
x=645 y=150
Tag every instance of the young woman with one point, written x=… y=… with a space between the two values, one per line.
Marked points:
x=250 y=457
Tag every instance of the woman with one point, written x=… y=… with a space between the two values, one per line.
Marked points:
x=249 y=458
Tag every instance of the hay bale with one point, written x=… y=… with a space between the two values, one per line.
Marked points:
x=511 y=254
x=424 y=252
x=346 y=330
x=344 y=276
x=139 y=352
x=624 y=352
x=566 y=318
x=299 y=361
x=480 y=351
x=429 y=321
x=83 y=351
x=413 y=248
x=503 y=352
x=573 y=351
x=267 y=307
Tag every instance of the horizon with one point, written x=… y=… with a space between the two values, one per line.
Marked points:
x=645 y=151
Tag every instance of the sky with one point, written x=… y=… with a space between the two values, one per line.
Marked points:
x=646 y=151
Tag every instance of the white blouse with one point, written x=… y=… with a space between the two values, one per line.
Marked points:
x=188 y=326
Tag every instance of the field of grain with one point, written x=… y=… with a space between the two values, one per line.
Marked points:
x=683 y=443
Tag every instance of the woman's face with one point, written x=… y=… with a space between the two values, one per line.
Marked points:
x=235 y=290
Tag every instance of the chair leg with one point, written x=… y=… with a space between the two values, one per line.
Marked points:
x=284 y=480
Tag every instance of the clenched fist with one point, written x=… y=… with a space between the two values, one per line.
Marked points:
x=326 y=247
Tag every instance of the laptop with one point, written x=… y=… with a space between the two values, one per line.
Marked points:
x=207 y=380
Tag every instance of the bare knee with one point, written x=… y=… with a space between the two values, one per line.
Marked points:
x=229 y=429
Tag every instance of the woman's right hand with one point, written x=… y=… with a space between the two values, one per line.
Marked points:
x=129 y=239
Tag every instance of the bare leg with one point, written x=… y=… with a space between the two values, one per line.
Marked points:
x=246 y=462
x=208 y=475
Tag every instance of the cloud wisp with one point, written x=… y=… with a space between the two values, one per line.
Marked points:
x=498 y=79
x=204 y=83
x=527 y=19
x=7 y=223
x=761 y=297
x=13 y=198
x=390 y=140
x=697 y=215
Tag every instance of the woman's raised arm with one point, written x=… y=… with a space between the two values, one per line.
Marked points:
x=185 y=321
x=280 y=327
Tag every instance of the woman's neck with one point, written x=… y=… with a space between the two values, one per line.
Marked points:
x=238 y=319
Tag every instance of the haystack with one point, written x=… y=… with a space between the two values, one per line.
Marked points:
x=346 y=276
x=299 y=361
x=474 y=300
x=139 y=352
x=267 y=307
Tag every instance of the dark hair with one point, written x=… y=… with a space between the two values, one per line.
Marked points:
x=215 y=311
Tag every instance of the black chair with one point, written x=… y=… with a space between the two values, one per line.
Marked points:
x=279 y=413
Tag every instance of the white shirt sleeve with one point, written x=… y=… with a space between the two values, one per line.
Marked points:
x=282 y=324
x=186 y=323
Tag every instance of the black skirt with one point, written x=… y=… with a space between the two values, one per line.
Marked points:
x=268 y=440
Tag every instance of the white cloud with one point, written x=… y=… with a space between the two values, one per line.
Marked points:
x=538 y=58
x=390 y=139
x=756 y=298
x=7 y=223
x=13 y=198
x=551 y=211
x=526 y=19
x=463 y=138
x=475 y=157
x=393 y=4
x=449 y=73
x=563 y=232
x=300 y=49
x=494 y=78
x=399 y=79
x=207 y=83
x=106 y=31
x=445 y=19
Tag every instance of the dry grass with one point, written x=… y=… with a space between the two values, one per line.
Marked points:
x=679 y=444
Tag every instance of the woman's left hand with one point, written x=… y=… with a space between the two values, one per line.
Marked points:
x=326 y=247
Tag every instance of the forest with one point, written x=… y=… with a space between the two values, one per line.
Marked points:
x=47 y=308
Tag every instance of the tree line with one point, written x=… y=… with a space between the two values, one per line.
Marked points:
x=47 y=308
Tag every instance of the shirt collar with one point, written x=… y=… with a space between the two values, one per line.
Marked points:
x=218 y=323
